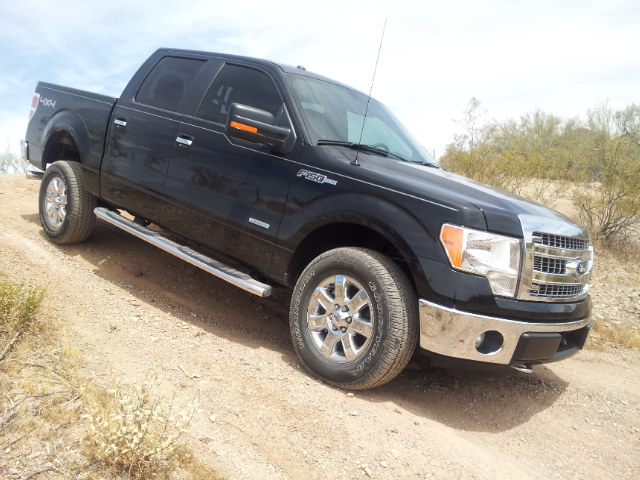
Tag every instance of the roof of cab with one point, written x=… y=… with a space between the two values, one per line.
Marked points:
x=268 y=63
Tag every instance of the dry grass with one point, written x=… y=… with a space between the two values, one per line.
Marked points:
x=616 y=300
x=627 y=251
x=19 y=309
x=621 y=335
x=56 y=422
x=136 y=432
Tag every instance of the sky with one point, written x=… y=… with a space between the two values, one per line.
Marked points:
x=559 y=56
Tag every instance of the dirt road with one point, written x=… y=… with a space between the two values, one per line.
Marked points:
x=134 y=310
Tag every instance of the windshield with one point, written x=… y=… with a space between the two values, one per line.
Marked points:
x=334 y=112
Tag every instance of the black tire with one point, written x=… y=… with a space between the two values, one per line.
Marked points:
x=66 y=208
x=372 y=340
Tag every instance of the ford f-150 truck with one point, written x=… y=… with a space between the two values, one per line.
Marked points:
x=265 y=174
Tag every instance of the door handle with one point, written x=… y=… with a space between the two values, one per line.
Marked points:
x=184 y=140
x=120 y=122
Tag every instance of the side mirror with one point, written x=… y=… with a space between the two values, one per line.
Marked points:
x=254 y=125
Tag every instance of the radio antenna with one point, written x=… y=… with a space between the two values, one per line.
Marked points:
x=366 y=110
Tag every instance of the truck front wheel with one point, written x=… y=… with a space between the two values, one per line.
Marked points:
x=66 y=208
x=354 y=318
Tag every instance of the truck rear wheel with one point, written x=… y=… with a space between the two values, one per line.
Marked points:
x=354 y=318
x=66 y=208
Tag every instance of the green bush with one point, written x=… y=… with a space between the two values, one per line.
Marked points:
x=19 y=310
x=506 y=169
x=540 y=154
x=610 y=207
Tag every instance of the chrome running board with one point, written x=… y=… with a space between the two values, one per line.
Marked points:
x=33 y=173
x=218 y=269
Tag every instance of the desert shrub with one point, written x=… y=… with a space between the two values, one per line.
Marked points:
x=19 y=304
x=88 y=429
x=10 y=163
x=507 y=169
x=610 y=204
x=19 y=309
x=135 y=432
x=541 y=155
x=610 y=207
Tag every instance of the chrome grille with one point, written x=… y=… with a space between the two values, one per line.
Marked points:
x=557 y=266
x=560 y=241
x=549 y=265
x=556 y=291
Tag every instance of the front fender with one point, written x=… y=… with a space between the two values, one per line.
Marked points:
x=412 y=233
x=400 y=226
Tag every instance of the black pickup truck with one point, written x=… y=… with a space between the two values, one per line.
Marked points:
x=265 y=174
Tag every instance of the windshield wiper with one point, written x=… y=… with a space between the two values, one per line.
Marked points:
x=355 y=146
x=372 y=149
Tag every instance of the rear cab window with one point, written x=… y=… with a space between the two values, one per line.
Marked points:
x=168 y=82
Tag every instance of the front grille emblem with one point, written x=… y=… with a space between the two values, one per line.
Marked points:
x=577 y=267
x=582 y=268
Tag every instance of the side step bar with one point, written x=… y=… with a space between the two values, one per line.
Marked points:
x=34 y=173
x=220 y=270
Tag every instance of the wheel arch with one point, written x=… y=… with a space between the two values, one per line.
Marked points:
x=355 y=231
x=66 y=138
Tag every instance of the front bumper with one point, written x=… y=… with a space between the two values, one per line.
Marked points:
x=468 y=336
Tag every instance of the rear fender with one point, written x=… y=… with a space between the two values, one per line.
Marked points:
x=66 y=121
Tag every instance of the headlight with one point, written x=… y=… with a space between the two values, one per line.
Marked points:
x=496 y=257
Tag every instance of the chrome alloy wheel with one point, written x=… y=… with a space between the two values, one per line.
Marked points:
x=340 y=319
x=56 y=202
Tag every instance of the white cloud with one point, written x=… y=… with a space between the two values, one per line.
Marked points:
x=563 y=56
x=13 y=126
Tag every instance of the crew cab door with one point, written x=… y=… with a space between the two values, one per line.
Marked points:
x=142 y=135
x=230 y=194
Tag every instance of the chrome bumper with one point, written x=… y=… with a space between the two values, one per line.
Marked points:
x=31 y=172
x=453 y=333
x=24 y=150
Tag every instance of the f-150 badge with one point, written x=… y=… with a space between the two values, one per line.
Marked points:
x=316 y=177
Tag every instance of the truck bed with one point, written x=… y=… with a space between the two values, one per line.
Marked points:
x=85 y=113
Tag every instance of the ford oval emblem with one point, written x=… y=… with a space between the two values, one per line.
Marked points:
x=581 y=268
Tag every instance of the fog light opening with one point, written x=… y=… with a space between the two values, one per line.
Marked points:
x=489 y=343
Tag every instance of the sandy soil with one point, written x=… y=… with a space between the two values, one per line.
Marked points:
x=133 y=310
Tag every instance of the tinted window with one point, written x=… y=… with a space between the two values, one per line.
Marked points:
x=242 y=85
x=167 y=84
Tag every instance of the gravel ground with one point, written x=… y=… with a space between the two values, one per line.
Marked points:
x=133 y=310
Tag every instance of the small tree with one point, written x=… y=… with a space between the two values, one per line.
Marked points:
x=512 y=155
x=628 y=122
x=10 y=163
x=470 y=123
x=539 y=153
x=610 y=207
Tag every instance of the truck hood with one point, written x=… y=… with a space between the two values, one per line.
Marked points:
x=504 y=212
